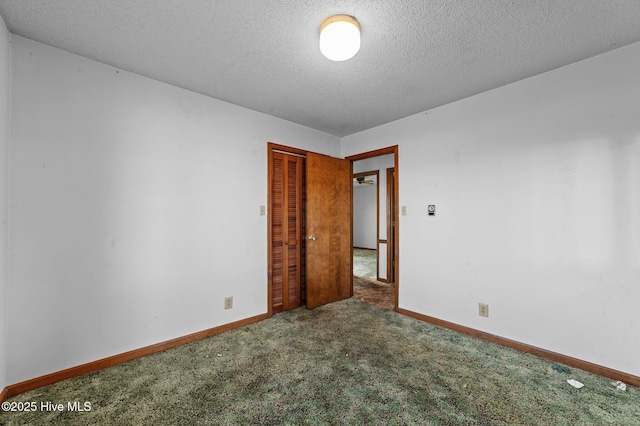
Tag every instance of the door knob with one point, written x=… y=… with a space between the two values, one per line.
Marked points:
x=312 y=237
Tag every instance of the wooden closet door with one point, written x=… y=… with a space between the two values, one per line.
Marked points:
x=287 y=231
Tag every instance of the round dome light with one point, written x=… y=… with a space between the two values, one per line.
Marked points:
x=340 y=37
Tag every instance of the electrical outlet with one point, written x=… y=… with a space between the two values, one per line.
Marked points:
x=228 y=302
x=483 y=310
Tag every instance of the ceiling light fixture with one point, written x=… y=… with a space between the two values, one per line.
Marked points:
x=340 y=37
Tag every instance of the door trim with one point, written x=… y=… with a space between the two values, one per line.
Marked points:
x=396 y=235
x=392 y=220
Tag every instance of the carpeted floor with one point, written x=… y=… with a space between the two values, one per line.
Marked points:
x=365 y=263
x=374 y=292
x=365 y=286
x=344 y=363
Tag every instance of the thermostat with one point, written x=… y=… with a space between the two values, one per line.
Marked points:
x=432 y=209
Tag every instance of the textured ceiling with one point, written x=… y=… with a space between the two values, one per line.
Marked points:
x=263 y=54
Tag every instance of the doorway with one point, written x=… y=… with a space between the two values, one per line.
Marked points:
x=366 y=217
x=374 y=228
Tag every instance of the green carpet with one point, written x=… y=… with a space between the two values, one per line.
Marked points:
x=344 y=363
x=365 y=263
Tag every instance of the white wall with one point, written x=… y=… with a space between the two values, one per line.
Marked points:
x=380 y=163
x=536 y=188
x=365 y=216
x=135 y=210
x=4 y=193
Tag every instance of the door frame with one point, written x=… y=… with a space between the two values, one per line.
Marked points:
x=392 y=220
x=396 y=234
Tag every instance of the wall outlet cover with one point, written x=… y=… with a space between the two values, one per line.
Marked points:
x=483 y=310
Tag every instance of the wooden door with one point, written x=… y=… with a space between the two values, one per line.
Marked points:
x=287 y=231
x=329 y=267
